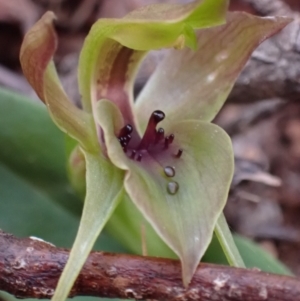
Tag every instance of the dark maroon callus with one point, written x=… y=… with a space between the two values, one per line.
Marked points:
x=124 y=136
x=153 y=140
x=126 y=130
x=133 y=153
x=157 y=116
x=150 y=133
x=179 y=153
x=160 y=133
x=167 y=142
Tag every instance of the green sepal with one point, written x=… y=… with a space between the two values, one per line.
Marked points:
x=104 y=185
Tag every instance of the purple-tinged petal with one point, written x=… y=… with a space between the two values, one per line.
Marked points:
x=181 y=189
x=36 y=55
x=195 y=84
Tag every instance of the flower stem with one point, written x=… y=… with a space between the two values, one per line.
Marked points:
x=227 y=243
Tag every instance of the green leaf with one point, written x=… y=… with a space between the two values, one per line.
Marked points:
x=32 y=147
x=183 y=218
x=227 y=243
x=195 y=84
x=104 y=184
x=25 y=211
x=115 y=47
x=253 y=256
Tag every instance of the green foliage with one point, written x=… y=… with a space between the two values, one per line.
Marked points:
x=32 y=147
x=253 y=256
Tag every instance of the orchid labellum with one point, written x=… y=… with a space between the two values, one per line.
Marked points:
x=161 y=151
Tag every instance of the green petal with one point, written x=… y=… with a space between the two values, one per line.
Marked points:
x=104 y=187
x=195 y=84
x=184 y=220
x=36 y=58
x=114 y=47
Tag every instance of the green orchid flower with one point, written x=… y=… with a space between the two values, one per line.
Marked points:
x=162 y=151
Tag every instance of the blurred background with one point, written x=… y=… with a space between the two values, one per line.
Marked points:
x=262 y=116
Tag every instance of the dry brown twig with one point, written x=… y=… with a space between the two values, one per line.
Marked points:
x=30 y=268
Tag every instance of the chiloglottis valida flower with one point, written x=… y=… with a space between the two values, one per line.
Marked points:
x=161 y=151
